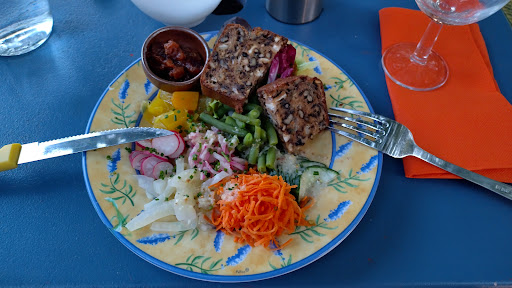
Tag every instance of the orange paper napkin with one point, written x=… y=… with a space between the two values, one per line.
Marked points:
x=467 y=121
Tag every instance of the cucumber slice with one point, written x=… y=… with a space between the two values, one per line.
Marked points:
x=308 y=163
x=315 y=177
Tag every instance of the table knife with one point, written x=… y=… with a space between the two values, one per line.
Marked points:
x=13 y=154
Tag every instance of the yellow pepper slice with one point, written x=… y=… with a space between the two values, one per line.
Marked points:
x=173 y=120
x=185 y=100
x=158 y=105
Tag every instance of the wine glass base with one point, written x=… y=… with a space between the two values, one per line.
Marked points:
x=397 y=64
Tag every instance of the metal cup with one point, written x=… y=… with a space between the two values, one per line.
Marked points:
x=294 y=11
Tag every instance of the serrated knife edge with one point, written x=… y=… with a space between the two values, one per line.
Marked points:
x=74 y=144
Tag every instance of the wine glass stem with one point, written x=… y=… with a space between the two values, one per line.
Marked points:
x=423 y=49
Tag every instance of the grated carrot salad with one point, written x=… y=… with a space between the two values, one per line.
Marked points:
x=262 y=210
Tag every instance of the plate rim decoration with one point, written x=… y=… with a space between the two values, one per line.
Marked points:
x=234 y=278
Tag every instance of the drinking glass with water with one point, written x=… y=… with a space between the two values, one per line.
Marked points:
x=24 y=25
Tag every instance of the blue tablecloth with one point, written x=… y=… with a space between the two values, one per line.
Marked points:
x=417 y=232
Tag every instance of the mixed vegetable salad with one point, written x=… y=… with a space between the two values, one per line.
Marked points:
x=223 y=170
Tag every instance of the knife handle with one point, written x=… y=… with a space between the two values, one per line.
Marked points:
x=9 y=155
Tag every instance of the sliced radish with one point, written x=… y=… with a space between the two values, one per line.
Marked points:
x=137 y=160
x=163 y=158
x=166 y=167
x=167 y=144
x=148 y=164
x=144 y=143
x=180 y=149
x=133 y=154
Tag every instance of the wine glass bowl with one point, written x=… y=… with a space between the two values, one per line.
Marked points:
x=416 y=66
x=460 y=12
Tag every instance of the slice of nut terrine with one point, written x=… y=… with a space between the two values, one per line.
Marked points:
x=297 y=108
x=239 y=64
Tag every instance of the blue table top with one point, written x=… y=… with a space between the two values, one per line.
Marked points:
x=416 y=232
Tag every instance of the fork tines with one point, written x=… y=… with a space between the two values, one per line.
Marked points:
x=364 y=128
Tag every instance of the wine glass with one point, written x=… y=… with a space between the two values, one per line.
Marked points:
x=417 y=67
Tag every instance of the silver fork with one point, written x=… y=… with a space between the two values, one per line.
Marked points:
x=394 y=139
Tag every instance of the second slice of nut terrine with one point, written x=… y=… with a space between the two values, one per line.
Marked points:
x=239 y=64
x=297 y=108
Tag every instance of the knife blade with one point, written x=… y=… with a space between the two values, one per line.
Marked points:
x=13 y=154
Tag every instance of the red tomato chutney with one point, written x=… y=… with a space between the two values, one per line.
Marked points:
x=173 y=62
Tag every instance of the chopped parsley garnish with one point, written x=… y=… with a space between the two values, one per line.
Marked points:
x=225 y=155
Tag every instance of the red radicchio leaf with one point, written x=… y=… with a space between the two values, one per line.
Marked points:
x=287 y=72
x=287 y=58
x=282 y=64
x=274 y=67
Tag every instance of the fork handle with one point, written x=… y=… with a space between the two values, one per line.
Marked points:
x=495 y=186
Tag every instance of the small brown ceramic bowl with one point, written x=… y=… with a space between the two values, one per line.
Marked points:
x=186 y=38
